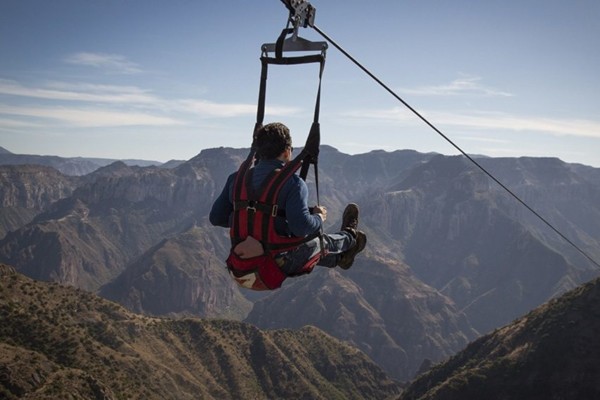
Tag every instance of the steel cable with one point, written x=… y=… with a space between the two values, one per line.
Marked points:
x=484 y=170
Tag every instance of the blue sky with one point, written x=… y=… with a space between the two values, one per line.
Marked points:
x=162 y=80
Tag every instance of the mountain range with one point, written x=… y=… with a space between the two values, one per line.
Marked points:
x=450 y=257
x=74 y=166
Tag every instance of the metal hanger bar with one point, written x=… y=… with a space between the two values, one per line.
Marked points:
x=299 y=44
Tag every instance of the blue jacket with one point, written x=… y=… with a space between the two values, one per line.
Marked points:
x=293 y=198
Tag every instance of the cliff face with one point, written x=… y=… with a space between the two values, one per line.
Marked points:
x=567 y=195
x=461 y=236
x=27 y=190
x=32 y=186
x=181 y=275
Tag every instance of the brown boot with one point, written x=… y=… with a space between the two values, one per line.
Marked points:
x=350 y=224
x=350 y=217
x=347 y=257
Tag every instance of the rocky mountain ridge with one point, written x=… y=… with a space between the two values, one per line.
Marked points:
x=73 y=166
x=140 y=236
x=118 y=213
x=550 y=353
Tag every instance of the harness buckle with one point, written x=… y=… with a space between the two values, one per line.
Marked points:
x=251 y=206
x=274 y=211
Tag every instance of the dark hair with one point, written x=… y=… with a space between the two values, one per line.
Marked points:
x=271 y=140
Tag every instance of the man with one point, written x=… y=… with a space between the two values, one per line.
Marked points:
x=273 y=146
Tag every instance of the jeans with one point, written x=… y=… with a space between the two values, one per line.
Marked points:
x=334 y=244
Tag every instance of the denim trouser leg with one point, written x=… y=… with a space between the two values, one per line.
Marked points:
x=334 y=243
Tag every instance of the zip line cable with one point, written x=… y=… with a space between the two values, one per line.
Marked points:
x=485 y=171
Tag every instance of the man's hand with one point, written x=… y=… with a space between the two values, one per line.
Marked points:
x=321 y=211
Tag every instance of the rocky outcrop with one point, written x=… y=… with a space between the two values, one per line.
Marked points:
x=31 y=186
x=181 y=275
x=27 y=190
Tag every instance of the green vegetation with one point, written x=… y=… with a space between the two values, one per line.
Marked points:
x=61 y=342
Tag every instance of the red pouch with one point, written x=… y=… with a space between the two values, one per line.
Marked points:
x=256 y=273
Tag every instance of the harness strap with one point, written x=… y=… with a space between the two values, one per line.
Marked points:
x=261 y=211
x=237 y=230
x=271 y=209
x=261 y=205
x=311 y=148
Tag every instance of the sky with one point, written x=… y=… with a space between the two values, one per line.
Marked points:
x=162 y=80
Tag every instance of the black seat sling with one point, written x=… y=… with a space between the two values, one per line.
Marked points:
x=255 y=211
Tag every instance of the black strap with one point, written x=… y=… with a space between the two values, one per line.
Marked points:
x=247 y=183
x=280 y=40
x=262 y=94
x=313 y=140
x=237 y=191
x=310 y=153
x=270 y=209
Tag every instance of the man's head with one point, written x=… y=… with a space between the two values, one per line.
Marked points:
x=272 y=140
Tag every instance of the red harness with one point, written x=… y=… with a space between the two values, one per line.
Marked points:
x=255 y=244
x=253 y=228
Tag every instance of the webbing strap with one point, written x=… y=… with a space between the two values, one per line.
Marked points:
x=313 y=141
x=260 y=211
x=271 y=209
x=262 y=92
x=310 y=152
